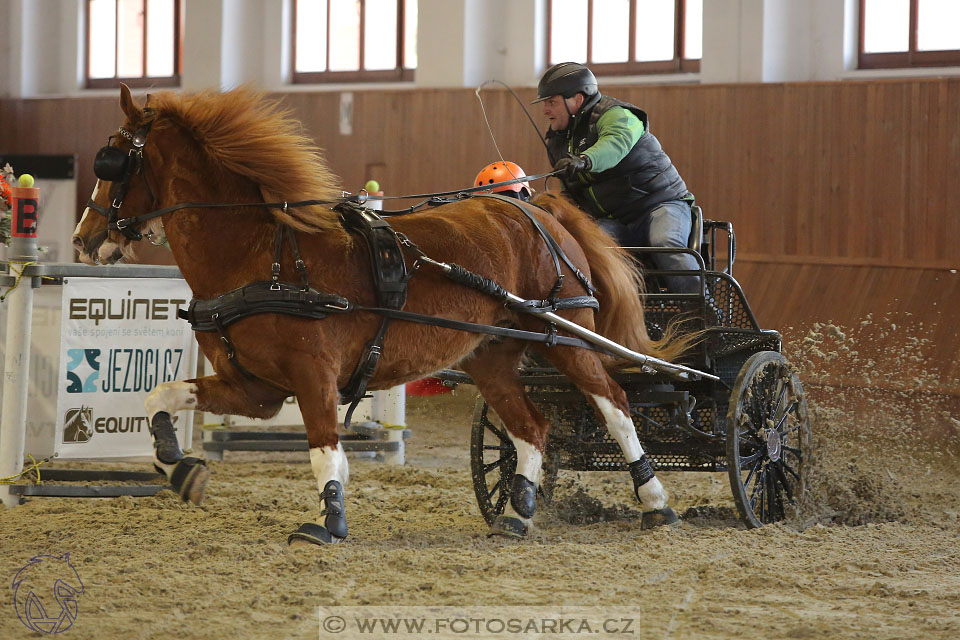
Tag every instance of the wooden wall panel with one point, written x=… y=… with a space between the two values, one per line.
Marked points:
x=912 y=316
x=843 y=195
x=861 y=171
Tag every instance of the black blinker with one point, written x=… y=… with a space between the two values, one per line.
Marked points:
x=110 y=164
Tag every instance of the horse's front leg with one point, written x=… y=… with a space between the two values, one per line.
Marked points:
x=318 y=405
x=189 y=475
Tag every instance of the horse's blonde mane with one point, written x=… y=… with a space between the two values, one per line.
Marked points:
x=251 y=135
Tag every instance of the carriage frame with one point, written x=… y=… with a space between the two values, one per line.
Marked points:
x=753 y=423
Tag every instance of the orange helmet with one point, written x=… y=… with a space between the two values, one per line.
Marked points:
x=501 y=172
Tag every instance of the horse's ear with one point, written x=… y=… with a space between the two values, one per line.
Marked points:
x=126 y=103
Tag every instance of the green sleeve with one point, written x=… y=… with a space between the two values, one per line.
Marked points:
x=618 y=130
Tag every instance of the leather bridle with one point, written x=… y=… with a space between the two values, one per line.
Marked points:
x=118 y=168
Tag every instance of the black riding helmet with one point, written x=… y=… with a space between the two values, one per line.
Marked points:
x=566 y=79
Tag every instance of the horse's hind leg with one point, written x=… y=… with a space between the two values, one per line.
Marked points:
x=610 y=401
x=494 y=372
x=189 y=475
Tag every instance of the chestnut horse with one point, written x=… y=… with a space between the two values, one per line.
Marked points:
x=239 y=147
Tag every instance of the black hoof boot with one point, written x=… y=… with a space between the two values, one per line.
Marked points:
x=165 y=446
x=188 y=476
x=335 y=529
x=523 y=496
x=189 y=479
x=508 y=527
x=659 y=518
x=642 y=473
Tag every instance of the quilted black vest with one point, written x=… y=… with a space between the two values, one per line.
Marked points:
x=644 y=179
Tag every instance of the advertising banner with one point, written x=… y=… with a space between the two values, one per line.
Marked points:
x=120 y=338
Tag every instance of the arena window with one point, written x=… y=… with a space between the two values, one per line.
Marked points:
x=627 y=36
x=137 y=42
x=354 y=40
x=909 y=33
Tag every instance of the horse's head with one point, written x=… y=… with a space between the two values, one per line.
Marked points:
x=123 y=188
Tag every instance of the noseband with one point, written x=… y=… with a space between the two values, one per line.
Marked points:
x=112 y=165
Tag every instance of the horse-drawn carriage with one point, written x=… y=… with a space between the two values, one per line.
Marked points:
x=752 y=423
x=312 y=296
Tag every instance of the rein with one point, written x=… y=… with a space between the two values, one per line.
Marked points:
x=123 y=225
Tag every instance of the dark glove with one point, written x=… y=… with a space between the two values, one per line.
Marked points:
x=570 y=166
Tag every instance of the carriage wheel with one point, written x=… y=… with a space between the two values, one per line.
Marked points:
x=493 y=461
x=768 y=439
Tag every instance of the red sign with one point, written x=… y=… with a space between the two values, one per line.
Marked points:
x=23 y=223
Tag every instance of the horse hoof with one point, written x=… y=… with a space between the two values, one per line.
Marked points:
x=659 y=518
x=507 y=527
x=189 y=479
x=310 y=534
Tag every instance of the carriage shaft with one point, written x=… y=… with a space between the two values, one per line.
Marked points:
x=615 y=348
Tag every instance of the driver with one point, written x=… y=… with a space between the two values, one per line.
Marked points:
x=615 y=169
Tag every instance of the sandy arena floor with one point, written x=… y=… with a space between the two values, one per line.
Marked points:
x=875 y=554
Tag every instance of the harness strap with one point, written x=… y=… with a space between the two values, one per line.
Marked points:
x=390 y=278
x=548 y=337
x=356 y=387
x=262 y=297
x=123 y=223
x=546 y=306
x=277 y=253
x=232 y=357
x=554 y=247
x=298 y=262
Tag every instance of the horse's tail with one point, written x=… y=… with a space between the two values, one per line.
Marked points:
x=619 y=286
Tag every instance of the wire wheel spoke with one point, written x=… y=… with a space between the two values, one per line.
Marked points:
x=783 y=481
x=500 y=433
x=496 y=464
x=502 y=498
x=758 y=488
x=794 y=450
x=749 y=431
x=770 y=493
x=751 y=459
x=791 y=409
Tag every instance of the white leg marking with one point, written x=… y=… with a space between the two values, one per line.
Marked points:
x=171 y=397
x=529 y=460
x=329 y=463
x=530 y=466
x=621 y=428
x=652 y=494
